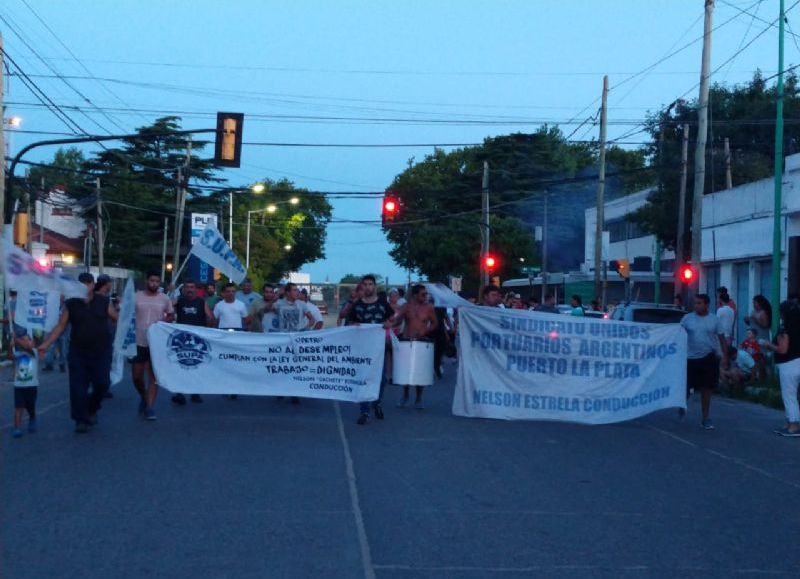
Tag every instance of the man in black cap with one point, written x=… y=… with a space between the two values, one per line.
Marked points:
x=89 y=359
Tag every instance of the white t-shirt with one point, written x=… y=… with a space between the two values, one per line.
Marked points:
x=246 y=299
x=270 y=323
x=317 y=315
x=702 y=333
x=230 y=315
x=726 y=317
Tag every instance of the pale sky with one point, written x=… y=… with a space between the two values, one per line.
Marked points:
x=371 y=72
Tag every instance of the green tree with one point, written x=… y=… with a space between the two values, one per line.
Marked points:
x=743 y=114
x=437 y=229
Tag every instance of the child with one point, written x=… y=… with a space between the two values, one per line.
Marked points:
x=750 y=345
x=26 y=380
x=740 y=370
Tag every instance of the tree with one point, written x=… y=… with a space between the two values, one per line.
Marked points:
x=351 y=278
x=745 y=115
x=63 y=173
x=437 y=230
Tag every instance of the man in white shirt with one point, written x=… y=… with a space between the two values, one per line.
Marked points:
x=230 y=313
x=319 y=321
x=726 y=315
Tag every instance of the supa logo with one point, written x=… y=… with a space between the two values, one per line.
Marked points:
x=189 y=350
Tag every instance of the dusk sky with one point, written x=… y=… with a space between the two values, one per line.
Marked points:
x=444 y=72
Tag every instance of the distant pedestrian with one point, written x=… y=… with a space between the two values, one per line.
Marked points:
x=741 y=368
x=317 y=321
x=705 y=336
x=549 y=305
x=751 y=346
x=533 y=304
x=191 y=310
x=211 y=296
x=786 y=347
x=577 y=306
x=726 y=315
x=152 y=306
x=89 y=352
x=492 y=297
x=760 y=317
x=246 y=295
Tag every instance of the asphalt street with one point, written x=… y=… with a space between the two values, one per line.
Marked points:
x=261 y=488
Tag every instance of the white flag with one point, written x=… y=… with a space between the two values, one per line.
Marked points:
x=444 y=297
x=212 y=248
x=125 y=336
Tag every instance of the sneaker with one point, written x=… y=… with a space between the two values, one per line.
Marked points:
x=363 y=419
x=378 y=410
x=419 y=405
x=142 y=407
x=196 y=398
x=81 y=428
x=789 y=433
x=403 y=403
x=178 y=399
x=16 y=433
x=707 y=424
x=32 y=425
x=150 y=414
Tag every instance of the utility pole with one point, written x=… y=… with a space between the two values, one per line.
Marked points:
x=702 y=133
x=485 y=224
x=101 y=236
x=679 y=251
x=2 y=146
x=40 y=211
x=728 y=176
x=164 y=249
x=777 y=208
x=601 y=186
x=544 y=250
x=182 y=171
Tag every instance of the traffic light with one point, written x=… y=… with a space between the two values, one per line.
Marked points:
x=391 y=207
x=228 y=145
x=622 y=267
x=687 y=274
x=490 y=262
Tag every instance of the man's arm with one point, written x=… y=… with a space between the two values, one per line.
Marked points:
x=723 y=343
x=209 y=316
x=112 y=311
x=55 y=332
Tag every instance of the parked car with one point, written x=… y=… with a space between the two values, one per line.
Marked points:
x=647 y=313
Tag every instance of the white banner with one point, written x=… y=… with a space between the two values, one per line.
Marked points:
x=340 y=364
x=444 y=297
x=519 y=365
x=37 y=307
x=21 y=270
x=125 y=336
x=212 y=248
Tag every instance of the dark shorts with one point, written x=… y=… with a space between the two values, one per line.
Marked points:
x=702 y=373
x=142 y=355
x=26 y=397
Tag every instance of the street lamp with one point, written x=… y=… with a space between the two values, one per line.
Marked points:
x=287 y=247
x=271 y=208
x=257 y=188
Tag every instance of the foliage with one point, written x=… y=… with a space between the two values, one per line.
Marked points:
x=437 y=232
x=349 y=278
x=746 y=116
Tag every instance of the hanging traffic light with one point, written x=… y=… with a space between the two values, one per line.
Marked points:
x=228 y=144
x=687 y=274
x=391 y=207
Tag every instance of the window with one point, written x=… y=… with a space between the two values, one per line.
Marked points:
x=622 y=230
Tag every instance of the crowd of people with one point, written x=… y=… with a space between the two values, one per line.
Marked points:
x=90 y=323
x=713 y=356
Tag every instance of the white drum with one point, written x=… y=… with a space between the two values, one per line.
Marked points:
x=412 y=363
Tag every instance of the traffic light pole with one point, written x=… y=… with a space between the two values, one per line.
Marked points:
x=485 y=224
x=8 y=198
x=777 y=208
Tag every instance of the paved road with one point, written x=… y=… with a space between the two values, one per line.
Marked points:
x=260 y=488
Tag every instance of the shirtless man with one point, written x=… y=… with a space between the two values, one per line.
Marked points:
x=420 y=321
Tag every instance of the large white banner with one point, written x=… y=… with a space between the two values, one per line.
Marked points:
x=39 y=289
x=125 y=336
x=519 y=365
x=212 y=248
x=444 y=297
x=340 y=364
x=199 y=222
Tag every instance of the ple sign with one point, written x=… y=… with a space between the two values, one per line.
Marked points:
x=212 y=248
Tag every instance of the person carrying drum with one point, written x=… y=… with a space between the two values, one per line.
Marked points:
x=420 y=322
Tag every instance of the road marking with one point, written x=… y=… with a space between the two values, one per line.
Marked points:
x=736 y=461
x=363 y=542
x=38 y=412
x=545 y=568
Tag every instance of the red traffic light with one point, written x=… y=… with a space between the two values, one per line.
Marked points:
x=391 y=207
x=687 y=274
x=490 y=262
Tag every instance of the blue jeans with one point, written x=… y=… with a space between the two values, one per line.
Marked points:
x=85 y=369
